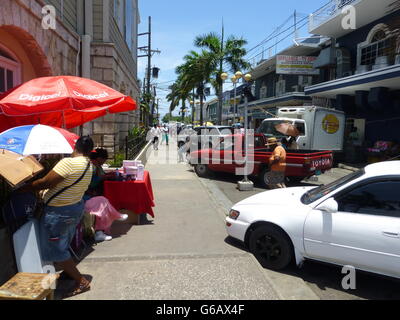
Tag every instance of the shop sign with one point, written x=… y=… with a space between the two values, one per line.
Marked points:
x=300 y=65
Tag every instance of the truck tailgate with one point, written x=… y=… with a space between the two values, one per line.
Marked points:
x=321 y=161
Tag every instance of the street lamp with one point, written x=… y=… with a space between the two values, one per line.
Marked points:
x=245 y=184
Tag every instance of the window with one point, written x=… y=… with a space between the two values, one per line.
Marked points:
x=9 y=71
x=380 y=48
x=226 y=144
x=119 y=15
x=128 y=23
x=323 y=190
x=377 y=198
x=301 y=126
x=380 y=42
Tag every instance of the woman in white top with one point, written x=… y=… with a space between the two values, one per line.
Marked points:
x=155 y=133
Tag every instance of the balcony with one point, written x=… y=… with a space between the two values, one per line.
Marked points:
x=327 y=21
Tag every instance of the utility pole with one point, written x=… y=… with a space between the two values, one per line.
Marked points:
x=149 y=58
x=149 y=54
x=221 y=62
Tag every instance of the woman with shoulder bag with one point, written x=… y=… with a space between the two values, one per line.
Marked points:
x=65 y=186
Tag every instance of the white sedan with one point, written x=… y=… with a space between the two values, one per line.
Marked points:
x=352 y=221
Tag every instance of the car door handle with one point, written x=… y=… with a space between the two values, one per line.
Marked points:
x=391 y=234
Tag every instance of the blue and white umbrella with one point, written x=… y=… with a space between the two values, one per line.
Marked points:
x=38 y=139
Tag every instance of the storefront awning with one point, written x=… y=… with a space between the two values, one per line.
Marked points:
x=388 y=77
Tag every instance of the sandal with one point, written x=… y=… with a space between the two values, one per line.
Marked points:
x=82 y=287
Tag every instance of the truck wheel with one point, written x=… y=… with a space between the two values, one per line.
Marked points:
x=295 y=179
x=264 y=178
x=202 y=170
x=271 y=247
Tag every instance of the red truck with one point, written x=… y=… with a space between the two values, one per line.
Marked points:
x=228 y=156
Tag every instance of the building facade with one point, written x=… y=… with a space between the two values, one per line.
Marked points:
x=361 y=67
x=277 y=83
x=95 y=39
x=211 y=111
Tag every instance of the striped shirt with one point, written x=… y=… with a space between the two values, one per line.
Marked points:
x=71 y=169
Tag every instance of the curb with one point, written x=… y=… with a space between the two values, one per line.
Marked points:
x=346 y=167
x=143 y=154
x=286 y=287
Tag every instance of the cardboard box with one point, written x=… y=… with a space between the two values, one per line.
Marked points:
x=16 y=169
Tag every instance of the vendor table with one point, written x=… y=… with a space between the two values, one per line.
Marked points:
x=136 y=196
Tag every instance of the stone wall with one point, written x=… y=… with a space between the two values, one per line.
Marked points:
x=52 y=52
x=108 y=68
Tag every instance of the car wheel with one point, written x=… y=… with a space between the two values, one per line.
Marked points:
x=263 y=177
x=271 y=247
x=202 y=170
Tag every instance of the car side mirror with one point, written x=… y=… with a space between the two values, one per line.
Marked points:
x=329 y=206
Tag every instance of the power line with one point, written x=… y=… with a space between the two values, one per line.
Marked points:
x=280 y=41
x=273 y=35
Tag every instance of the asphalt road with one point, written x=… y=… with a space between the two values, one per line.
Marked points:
x=324 y=280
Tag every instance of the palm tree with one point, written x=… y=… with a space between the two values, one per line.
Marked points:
x=230 y=53
x=145 y=108
x=192 y=75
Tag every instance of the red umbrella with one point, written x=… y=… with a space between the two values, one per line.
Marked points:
x=61 y=101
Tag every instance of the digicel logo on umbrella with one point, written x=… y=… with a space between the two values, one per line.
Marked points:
x=91 y=97
x=29 y=97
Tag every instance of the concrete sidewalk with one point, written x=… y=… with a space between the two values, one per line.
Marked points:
x=182 y=253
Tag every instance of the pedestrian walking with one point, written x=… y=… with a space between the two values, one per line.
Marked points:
x=165 y=134
x=155 y=134
x=277 y=162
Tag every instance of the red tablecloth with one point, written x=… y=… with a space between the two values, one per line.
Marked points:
x=136 y=196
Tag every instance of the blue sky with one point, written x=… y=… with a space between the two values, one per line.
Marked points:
x=175 y=24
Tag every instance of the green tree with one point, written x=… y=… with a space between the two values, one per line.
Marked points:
x=192 y=76
x=145 y=108
x=220 y=52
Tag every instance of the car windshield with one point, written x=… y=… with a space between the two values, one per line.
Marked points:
x=268 y=128
x=323 y=190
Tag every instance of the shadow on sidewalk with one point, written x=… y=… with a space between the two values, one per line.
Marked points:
x=329 y=277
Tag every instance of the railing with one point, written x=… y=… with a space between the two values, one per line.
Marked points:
x=133 y=145
x=327 y=12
